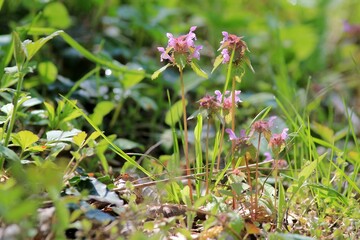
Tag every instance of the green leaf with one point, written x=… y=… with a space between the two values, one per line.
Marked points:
x=130 y=79
x=217 y=62
x=174 y=114
x=157 y=72
x=63 y=136
x=34 y=47
x=79 y=139
x=115 y=148
x=93 y=136
x=19 y=50
x=248 y=63
x=330 y=192
x=281 y=205
x=51 y=113
x=100 y=111
x=47 y=71
x=288 y=236
x=24 y=139
x=198 y=70
x=325 y=132
x=57 y=15
x=127 y=144
x=114 y=65
x=8 y=154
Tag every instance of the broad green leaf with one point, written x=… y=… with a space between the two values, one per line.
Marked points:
x=174 y=114
x=198 y=70
x=19 y=50
x=218 y=61
x=57 y=15
x=157 y=72
x=47 y=71
x=100 y=111
x=126 y=144
x=79 y=139
x=34 y=47
x=308 y=170
x=24 y=139
x=130 y=79
x=93 y=136
x=65 y=136
x=8 y=154
x=325 y=132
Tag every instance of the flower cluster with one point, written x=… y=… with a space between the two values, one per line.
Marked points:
x=263 y=127
x=229 y=43
x=183 y=45
x=241 y=142
x=277 y=141
x=220 y=101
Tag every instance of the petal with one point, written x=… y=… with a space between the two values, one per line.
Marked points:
x=268 y=156
x=231 y=133
x=284 y=133
x=271 y=120
x=218 y=96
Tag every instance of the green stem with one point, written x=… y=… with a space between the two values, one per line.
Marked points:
x=220 y=147
x=207 y=157
x=15 y=104
x=186 y=143
x=13 y=115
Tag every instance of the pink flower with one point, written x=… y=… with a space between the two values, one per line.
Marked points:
x=241 y=142
x=232 y=135
x=209 y=102
x=262 y=126
x=184 y=44
x=164 y=54
x=228 y=44
x=278 y=140
x=227 y=101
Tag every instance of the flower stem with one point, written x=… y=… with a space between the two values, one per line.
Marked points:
x=186 y=143
x=257 y=176
x=220 y=147
x=207 y=157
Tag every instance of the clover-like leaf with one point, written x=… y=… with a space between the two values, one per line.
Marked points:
x=24 y=139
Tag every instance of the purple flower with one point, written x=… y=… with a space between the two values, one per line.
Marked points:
x=229 y=43
x=268 y=156
x=209 y=102
x=227 y=101
x=184 y=45
x=241 y=142
x=226 y=56
x=278 y=140
x=164 y=54
x=262 y=126
x=352 y=29
x=232 y=135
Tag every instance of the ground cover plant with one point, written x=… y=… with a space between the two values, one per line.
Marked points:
x=163 y=120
